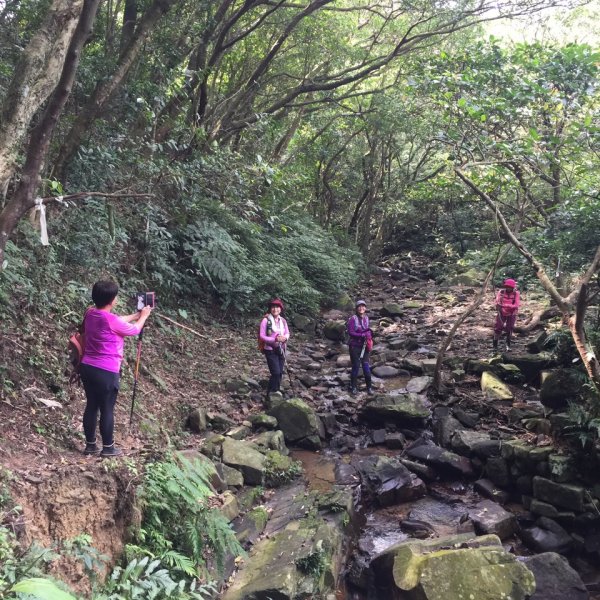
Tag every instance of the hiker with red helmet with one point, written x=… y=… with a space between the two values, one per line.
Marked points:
x=273 y=336
x=360 y=344
x=507 y=306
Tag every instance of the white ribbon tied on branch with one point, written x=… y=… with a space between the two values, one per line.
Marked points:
x=39 y=205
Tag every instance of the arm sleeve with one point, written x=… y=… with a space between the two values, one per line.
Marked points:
x=263 y=333
x=499 y=299
x=122 y=328
x=286 y=329
x=517 y=302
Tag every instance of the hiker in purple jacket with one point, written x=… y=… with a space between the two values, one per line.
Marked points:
x=360 y=345
x=273 y=335
x=101 y=363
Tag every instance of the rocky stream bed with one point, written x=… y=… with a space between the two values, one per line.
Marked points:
x=407 y=494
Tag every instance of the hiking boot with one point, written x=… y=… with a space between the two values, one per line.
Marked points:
x=91 y=448
x=353 y=386
x=370 y=391
x=508 y=346
x=495 y=344
x=111 y=451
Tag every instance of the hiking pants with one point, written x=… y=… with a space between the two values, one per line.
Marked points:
x=276 y=364
x=101 y=389
x=504 y=324
x=356 y=361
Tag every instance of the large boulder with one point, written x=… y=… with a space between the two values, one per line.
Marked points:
x=561 y=387
x=490 y=517
x=304 y=324
x=471 y=277
x=546 y=535
x=335 y=330
x=388 y=480
x=396 y=408
x=443 y=461
x=300 y=424
x=571 y=497
x=555 y=579
x=456 y=567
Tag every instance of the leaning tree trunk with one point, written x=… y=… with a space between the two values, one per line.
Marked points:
x=575 y=318
x=24 y=197
x=36 y=76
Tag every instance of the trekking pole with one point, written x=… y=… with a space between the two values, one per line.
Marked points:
x=136 y=374
x=287 y=369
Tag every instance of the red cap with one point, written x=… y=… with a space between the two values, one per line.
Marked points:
x=510 y=283
x=276 y=302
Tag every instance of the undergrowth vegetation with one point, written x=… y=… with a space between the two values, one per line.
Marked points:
x=182 y=538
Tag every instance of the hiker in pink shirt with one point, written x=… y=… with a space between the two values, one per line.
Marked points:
x=507 y=307
x=104 y=334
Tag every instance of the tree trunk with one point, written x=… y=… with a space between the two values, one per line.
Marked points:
x=565 y=305
x=36 y=75
x=106 y=88
x=24 y=196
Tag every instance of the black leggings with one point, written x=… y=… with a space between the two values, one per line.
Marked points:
x=101 y=389
x=276 y=364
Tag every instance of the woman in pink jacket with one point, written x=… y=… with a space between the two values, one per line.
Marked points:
x=507 y=306
x=101 y=363
x=273 y=335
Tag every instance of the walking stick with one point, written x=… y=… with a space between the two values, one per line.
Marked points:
x=136 y=373
x=364 y=347
x=287 y=369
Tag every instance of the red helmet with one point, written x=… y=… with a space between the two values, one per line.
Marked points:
x=276 y=302
x=511 y=283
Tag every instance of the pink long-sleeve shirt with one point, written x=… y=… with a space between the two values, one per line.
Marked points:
x=508 y=302
x=104 y=336
x=280 y=327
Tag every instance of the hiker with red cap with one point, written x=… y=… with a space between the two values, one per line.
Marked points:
x=272 y=337
x=507 y=307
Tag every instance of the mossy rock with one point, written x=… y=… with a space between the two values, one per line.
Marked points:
x=561 y=387
x=493 y=388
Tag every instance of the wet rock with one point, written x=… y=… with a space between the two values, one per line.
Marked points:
x=561 y=387
x=335 y=330
x=493 y=388
x=445 y=462
x=543 y=509
x=388 y=480
x=468 y=419
x=546 y=536
x=249 y=527
x=346 y=474
x=423 y=471
x=478 y=366
x=245 y=458
x=443 y=517
x=489 y=517
x=417 y=529
x=555 y=579
x=559 y=494
x=467 y=442
x=395 y=441
x=299 y=423
x=197 y=420
x=497 y=470
x=378 y=436
x=454 y=567
x=444 y=426
x=385 y=371
x=488 y=489
x=418 y=385
x=402 y=408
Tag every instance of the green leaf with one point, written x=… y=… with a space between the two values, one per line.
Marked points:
x=41 y=588
x=183 y=313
